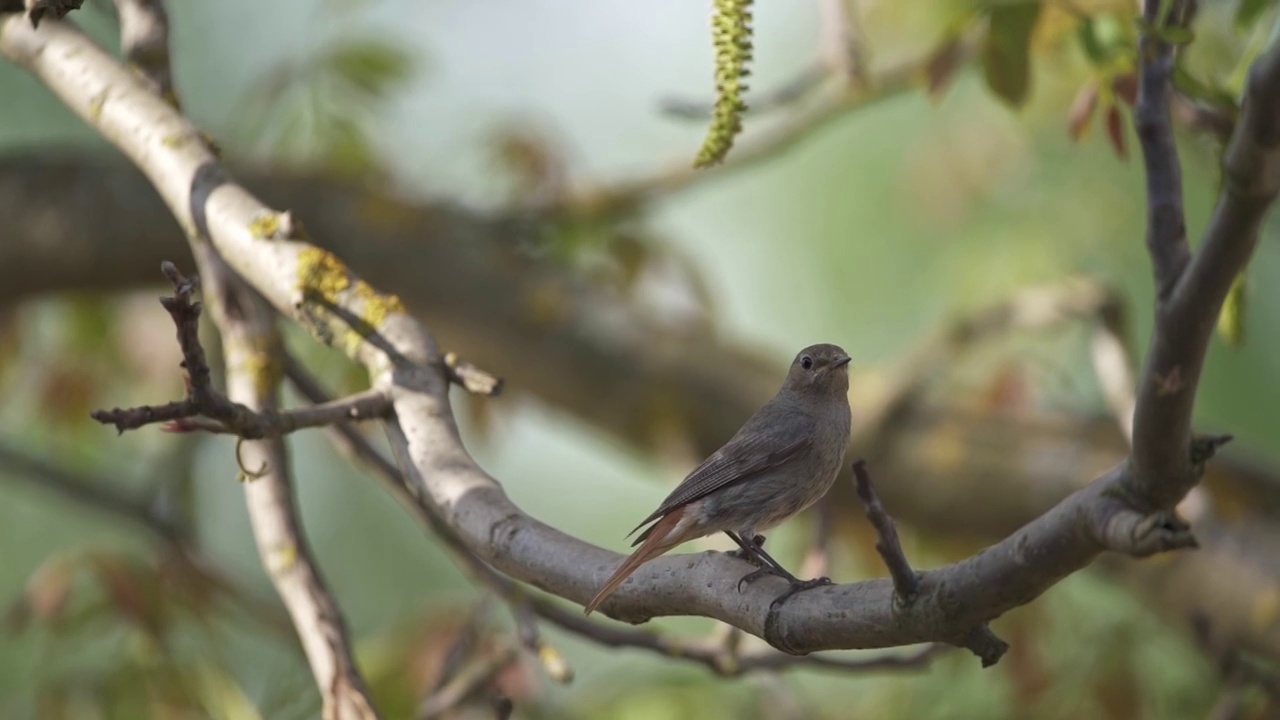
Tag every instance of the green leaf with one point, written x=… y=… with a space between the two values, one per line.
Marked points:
x=1248 y=12
x=371 y=66
x=1006 y=51
x=1090 y=42
x=1231 y=319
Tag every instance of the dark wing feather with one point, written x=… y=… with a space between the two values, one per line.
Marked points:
x=755 y=449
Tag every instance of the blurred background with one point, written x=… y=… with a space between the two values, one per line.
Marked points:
x=520 y=173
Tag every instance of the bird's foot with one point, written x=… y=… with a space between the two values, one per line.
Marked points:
x=799 y=586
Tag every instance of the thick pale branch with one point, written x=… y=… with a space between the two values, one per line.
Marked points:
x=252 y=344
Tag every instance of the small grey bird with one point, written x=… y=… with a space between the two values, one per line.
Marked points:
x=781 y=461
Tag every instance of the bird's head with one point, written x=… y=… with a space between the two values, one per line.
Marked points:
x=822 y=368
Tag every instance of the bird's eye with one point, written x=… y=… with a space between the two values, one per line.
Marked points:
x=806 y=362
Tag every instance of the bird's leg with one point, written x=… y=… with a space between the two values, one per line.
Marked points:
x=743 y=552
x=769 y=566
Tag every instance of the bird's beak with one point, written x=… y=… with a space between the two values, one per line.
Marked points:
x=841 y=362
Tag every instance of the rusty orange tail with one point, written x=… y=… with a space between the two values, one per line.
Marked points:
x=661 y=538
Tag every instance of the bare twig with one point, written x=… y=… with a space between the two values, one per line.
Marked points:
x=471 y=378
x=840 y=41
x=203 y=400
x=37 y=9
x=91 y=492
x=783 y=95
x=144 y=38
x=906 y=582
x=627 y=196
x=101 y=495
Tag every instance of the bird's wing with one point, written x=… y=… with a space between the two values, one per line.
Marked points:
x=755 y=449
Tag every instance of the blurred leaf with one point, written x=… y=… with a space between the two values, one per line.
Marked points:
x=371 y=66
x=45 y=597
x=1090 y=34
x=1231 y=319
x=345 y=145
x=632 y=255
x=1080 y=116
x=68 y=392
x=1125 y=87
x=221 y=695
x=1210 y=94
x=1115 y=131
x=1248 y=12
x=942 y=66
x=134 y=591
x=1006 y=51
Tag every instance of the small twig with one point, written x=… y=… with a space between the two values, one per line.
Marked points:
x=906 y=582
x=473 y=676
x=144 y=39
x=95 y=493
x=102 y=495
x=628 y=196
x=840 y=41
x=471 y=378
x=785 y=94
x=36 y=9
x=204 y=401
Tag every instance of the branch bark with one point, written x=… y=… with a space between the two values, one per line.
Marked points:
x=253 y=348
x=315 y=289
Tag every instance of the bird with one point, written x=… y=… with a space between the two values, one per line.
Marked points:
x=781 y=461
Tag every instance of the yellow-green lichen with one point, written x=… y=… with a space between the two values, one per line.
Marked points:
x=324 y=282
x=265 y=368
x=266 y=226
x=731 y=35
x=96 y=103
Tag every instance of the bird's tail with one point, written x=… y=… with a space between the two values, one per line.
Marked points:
x=664 y=535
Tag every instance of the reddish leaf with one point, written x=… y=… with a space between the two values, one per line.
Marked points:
x=1115 y=131
x=1081 y=114
x=1125 y=86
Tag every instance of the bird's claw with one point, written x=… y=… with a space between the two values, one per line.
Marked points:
x=799 y=586
x=755 y=575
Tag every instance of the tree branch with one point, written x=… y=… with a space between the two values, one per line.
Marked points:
x=1191 y=299
x=315 y=289
x=144 y=38
x=906 y=582
x=203 y=400
x=1166 y=223
x=252 y=344
x=713 y=655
